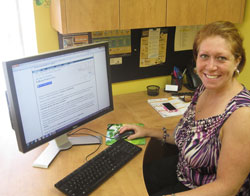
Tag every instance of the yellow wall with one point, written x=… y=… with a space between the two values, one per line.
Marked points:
x=245 y=30
x=46 y=36
x=47 y=41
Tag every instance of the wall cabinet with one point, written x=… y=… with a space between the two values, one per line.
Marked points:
x=186 y=12
x=231 y=10
x=196 y=12
x=74 y=16
x=142 y=13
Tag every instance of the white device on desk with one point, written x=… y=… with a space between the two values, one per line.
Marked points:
x=171 y=88
x=53 y=93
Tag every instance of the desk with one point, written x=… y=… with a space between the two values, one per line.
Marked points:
x=18 y=177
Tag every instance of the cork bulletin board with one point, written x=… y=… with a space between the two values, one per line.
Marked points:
x=129 y=66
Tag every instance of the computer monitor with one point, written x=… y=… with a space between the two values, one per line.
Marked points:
x=53 y=93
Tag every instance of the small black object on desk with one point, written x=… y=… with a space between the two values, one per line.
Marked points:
x=182 y=93
x=153 y=90
x=124 y=135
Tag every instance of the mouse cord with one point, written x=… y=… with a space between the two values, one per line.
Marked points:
x=84 y=128
x=76 y=133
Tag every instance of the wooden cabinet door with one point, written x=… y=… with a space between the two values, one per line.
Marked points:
x=186 y=12
x=230 y=10
x=142 y=13
x=91 y=15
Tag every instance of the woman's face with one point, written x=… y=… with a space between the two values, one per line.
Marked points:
x=215 y=63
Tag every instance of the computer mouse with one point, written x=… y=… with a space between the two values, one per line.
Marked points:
x=124 y=135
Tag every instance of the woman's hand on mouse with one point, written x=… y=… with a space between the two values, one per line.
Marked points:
x=139 y=131
x=148 y=132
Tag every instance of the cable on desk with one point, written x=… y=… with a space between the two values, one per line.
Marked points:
x=84 y=128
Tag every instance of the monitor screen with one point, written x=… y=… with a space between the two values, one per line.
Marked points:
x=53 y=93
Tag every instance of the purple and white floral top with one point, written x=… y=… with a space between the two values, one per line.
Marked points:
x=199 y=144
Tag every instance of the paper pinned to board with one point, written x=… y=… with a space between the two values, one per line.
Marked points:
x=153 y=47
x=153 y=43
x=184 y=37
x=180 y=105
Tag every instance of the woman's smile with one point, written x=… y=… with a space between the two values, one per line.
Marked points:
x=211 y=76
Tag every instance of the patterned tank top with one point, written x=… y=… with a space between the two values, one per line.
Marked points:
x=199 y=145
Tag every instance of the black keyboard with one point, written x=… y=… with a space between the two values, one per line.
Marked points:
x=93 y=173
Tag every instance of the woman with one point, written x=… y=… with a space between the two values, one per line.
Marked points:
x=213 y=137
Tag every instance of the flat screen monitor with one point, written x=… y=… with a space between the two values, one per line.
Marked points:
x=53 y=93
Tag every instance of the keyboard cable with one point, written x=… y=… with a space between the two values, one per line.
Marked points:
x=100 y=140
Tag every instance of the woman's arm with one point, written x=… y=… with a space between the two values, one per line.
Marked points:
x=148 y=132
x=234 y=161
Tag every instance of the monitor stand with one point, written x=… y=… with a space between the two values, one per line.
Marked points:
x=62 y=142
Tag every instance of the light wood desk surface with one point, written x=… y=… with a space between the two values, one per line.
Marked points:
x=18 y=177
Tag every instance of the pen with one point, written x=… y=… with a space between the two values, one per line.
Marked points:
x=178 y=73
x=184 y=72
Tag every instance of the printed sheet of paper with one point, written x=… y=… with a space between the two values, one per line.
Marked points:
x=175 y=101
x=153 y=43
x=184 y=37
x=119 y=40
x=153 y=47
x=75 y=40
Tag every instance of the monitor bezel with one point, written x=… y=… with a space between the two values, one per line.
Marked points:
x=12 y=99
